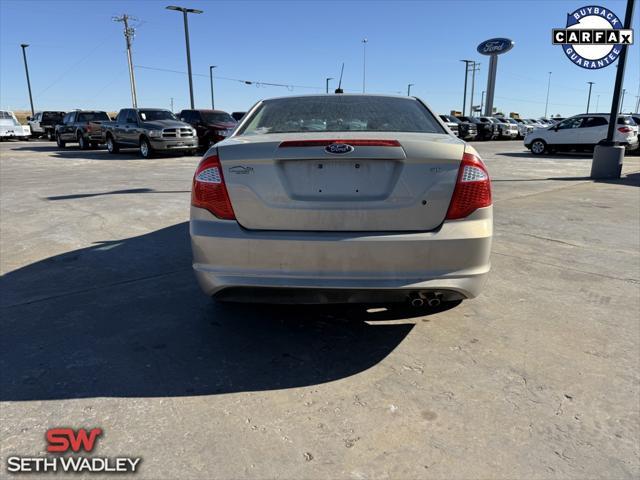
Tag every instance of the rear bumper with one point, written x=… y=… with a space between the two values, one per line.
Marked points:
x=453 y=259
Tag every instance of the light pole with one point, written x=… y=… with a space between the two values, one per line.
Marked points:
x=589 y=97
x=482 y=102
x=597 y=102
x=624 y=90
x=466 y=75
x=26 y=70
x=364 y=63
x=546 y=104
x=327 y=83
x=211 y=67
x=476 y=68
x=186 y=11
x=409 y=89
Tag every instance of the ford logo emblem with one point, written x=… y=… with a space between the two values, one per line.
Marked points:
x=338 y=148
x=495 y=46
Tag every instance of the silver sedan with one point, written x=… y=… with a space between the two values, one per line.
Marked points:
x=341 y=199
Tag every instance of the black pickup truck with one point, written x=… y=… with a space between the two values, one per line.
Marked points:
x=43 y=124
x=81 y=126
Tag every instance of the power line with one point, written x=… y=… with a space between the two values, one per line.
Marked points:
x=240 y=80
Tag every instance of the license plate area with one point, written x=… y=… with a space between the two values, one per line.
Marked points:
x=339 y=179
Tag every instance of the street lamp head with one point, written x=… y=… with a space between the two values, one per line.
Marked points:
x=364 y=40
x=24 y=45
x=183 y=9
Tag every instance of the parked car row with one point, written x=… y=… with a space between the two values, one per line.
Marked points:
x=492 y=128
x=150 y=130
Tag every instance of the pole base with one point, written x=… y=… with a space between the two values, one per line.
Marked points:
x=607 y=162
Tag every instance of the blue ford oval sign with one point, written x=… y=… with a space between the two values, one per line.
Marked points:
x=495 y=46
x=338 y=148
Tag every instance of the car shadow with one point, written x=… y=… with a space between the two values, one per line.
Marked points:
x=125 y=318
x=549 y=156
x=74 y=152
x=631 y=180
x=129 y=191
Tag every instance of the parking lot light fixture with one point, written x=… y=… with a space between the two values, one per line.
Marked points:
x=211 y=67
x=589 y=97
x=327 y=83
x=186 y=11
x=364 y=63
x=546 y=104
x=26 y=69
x=409 y=89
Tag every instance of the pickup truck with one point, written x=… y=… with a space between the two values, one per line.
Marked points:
x=149 y=129
x=83 y=127
x=211 y=126
x=43 y=124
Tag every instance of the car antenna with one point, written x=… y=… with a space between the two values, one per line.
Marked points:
x=339 y=90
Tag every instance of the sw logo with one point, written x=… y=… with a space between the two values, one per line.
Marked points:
x=63 y=439
x=68 y=440
x=593 y=37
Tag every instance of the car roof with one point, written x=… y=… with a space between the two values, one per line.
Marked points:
x=379 y=95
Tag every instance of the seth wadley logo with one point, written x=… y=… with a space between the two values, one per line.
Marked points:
x=593 y=37
x=65 y=440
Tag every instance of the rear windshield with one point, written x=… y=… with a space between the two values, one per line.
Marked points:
x=341 y=113
x=151 y=115
x=93 y=117
x=52 y=115
x=626 y=121
x=217 y=117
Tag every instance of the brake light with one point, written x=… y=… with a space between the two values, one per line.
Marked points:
x=352 y=142
x=473 y=188
x=625 y=129
x=209 y=190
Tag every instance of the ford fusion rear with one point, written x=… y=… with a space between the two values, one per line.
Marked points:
x=341 y=198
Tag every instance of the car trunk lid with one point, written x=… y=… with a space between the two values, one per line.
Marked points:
x=387 y=182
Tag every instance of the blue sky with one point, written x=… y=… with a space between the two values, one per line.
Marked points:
x=77 y=54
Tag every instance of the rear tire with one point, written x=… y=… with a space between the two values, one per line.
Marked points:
x=82 y=142
x=146 y=150
x=539 y=147
x=112 y=145
x=61 y=143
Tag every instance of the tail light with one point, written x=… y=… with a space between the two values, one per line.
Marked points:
x=473 y=188
x=209 y=190
x=625 y=129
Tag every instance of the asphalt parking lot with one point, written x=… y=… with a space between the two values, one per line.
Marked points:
x=103 y=325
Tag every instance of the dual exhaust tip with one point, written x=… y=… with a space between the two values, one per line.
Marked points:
x=420 y=299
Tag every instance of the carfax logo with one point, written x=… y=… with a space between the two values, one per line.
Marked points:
x=593 y=37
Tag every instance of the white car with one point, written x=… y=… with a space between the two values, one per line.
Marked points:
x=582 y=132
x=10 y=127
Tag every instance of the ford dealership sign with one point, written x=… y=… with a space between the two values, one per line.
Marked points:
x=495 y=46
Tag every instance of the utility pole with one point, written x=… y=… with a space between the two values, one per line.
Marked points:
x=624 y=90
x=364 y=63
x=637 y=103
x=26 y=70
x=589 y=97
x=327 y=83
x=466 y=75
x=171 y=104
x=597 y=102
x=211 y=67
x=129 y=33
x=546 y=104
x=186 y=11
x=482 y=102
x=409 y=89
x=476 y=68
